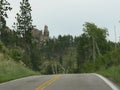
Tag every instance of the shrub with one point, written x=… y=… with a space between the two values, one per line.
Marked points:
x=16 y=54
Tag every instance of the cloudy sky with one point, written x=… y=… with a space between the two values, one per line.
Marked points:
x=68 y=16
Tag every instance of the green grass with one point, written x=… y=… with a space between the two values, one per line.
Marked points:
x=112 y=73
x=10 y=70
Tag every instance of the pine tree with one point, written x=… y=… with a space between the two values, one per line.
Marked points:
x=24 y=21
x=4 y=7
x=24 y=27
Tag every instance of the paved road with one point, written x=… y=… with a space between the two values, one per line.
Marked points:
x=60 y=82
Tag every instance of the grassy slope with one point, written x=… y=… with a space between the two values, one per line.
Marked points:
x=10 y=70
x=107 y=65
x=112 y=73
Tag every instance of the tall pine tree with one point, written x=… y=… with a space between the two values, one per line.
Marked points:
x=4 y=7
x=24 y=21
x=24 y=27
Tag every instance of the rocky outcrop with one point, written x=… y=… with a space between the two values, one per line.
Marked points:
x=40 y=35
x=46 y=33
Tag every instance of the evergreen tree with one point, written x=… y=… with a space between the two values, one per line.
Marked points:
x=83 y=51
x=24 y=27
x=24 y=21
x=4 y=7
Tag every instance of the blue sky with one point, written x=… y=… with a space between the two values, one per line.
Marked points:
x=68 y=16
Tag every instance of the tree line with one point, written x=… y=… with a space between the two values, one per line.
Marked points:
x=68 y=54
x=62 y=54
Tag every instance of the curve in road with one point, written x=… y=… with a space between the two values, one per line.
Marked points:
x=61 y=82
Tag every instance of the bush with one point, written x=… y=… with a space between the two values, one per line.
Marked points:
x=16 y=54
x=88 y=66
x=3 y=48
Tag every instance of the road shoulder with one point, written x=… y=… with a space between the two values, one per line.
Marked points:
x=108 y=82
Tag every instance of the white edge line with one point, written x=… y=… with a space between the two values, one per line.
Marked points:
x=107 y=82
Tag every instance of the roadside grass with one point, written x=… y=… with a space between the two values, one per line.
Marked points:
x=113 y=73
x=10 y=70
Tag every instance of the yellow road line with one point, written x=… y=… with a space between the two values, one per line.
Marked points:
x=47 y=83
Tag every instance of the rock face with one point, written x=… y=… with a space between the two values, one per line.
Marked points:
x=46 y=33
x=40 y=35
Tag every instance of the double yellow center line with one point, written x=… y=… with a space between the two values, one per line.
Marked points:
x=47 y=83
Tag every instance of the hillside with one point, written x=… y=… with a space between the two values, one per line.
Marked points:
x=9 y=69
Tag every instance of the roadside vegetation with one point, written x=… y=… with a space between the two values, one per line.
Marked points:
x=113 y=73
x=22 y=54
x=9 y=68
x=107 y=65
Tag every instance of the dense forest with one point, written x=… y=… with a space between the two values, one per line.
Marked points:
x=88 y=52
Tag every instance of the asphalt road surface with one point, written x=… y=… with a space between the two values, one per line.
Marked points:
x=61 y=82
